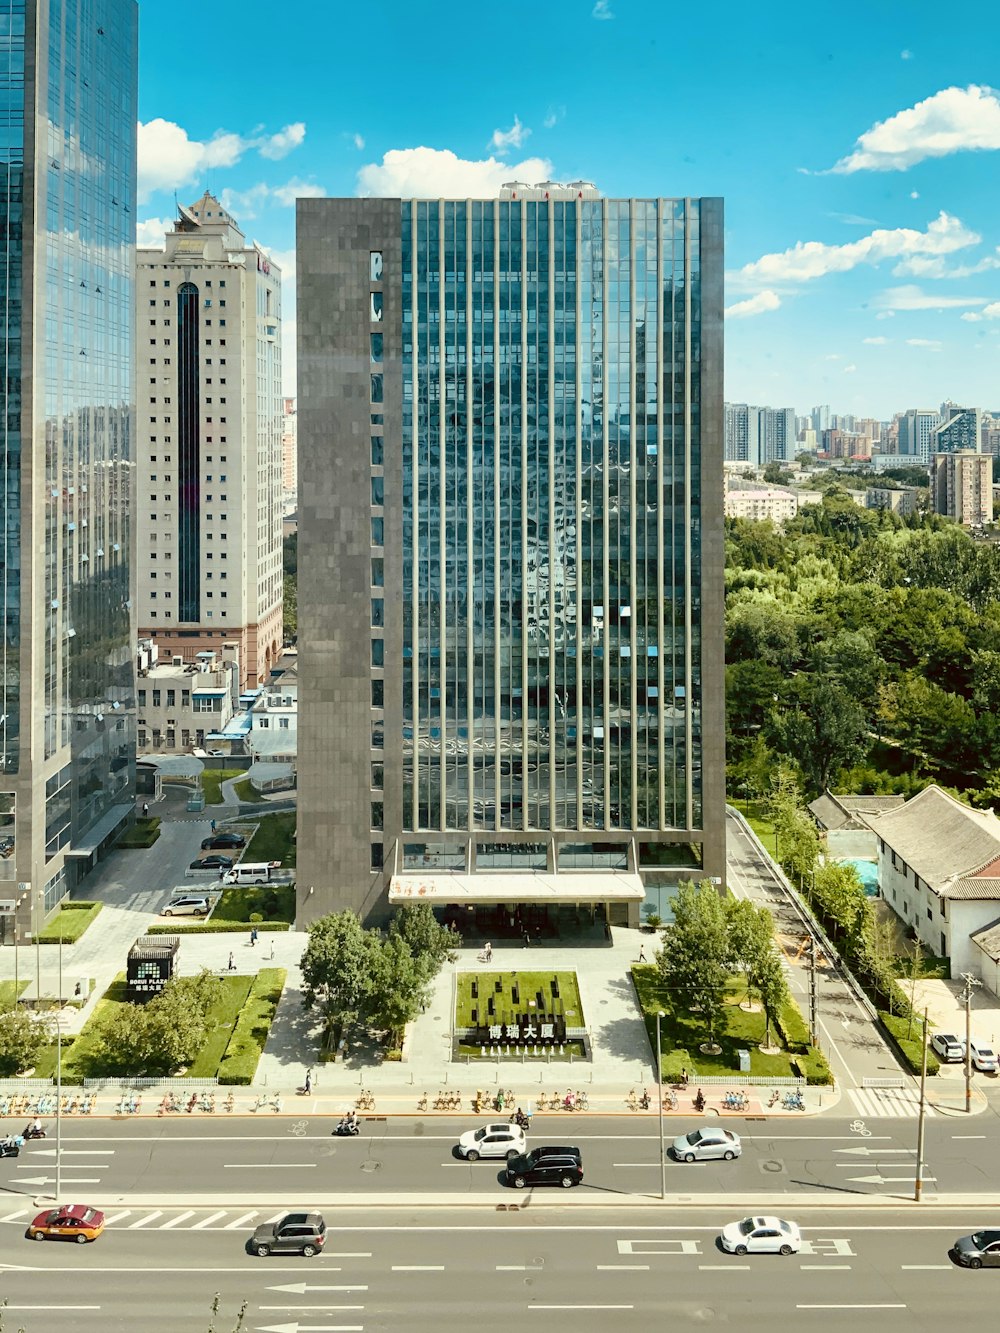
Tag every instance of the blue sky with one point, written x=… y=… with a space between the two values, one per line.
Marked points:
x=857 y=147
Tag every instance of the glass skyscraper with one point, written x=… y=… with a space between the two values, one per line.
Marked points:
x=510 y=423
x=67 y=195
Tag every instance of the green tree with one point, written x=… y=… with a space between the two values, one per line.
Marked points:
x=21 y=1039
x=430 y=943
x=398 y=988
x=827 y=731
x=751 y=940
x=694 y=961
x=772 y=987
x=336 y=967
x=157 y=1038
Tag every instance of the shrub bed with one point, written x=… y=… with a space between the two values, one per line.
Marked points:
x=69 y=923
x=239 y=1064
x=910 y=1048
x=143 y=833
x=219 y=928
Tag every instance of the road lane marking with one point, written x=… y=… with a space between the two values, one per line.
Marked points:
x=915 y=1268
x=418 y=1268
x=144 y=1221
x=207 y=1222
x=724 y=1268
x=240 y=1222
x=615 y=1268
x=117 y=1217
x=348 y=1254
x=968 y=1136
x=176 y=1221
x=13 y=1217
x=581 y=1307
x=266 y=1166
x=511 y=1268
x=872 y=1306
x=825 y=1268
x=50 y=1307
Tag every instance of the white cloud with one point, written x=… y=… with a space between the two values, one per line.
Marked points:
x=150 y=233
x=834 y=356
x=169 y=159
x=359 y=142
x=601 y=10
x=247 y=204
x=990 y=311
x=906 y=55
x=914 y=194
x=931 y=343
x=849 y=370
x=875 y=342
x=277 y=146
x=504 y=140
x=296 y=189
x=912 y=298
x=928 y=266
x=426 y=173
x=754 y=305
x=814 y=259
x=553 y=116
x=951 y=121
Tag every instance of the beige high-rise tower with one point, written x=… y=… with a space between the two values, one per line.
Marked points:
x=208 y=443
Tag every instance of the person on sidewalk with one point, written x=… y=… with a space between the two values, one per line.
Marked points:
x=253 y=936
x=488 y=951
x=309 y=1082
x=232 y=962
x=145 y=809
x=642 y=954
x=212 y=826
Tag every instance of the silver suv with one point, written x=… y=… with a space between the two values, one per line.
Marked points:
x=186 y=906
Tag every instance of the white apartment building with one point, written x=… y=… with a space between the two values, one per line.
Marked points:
x=290 y=454
x=759 y=504
x=209 y=443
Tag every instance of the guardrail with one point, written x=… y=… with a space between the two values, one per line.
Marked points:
x=25 y=1084
x=740 y=1080
x=883 y=1083
x=115 y=1084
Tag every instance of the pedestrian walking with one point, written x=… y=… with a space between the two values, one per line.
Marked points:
x=642 y=953
x=212 y=825
x=309 y=1082
x=222 y=875
x=232 y=962
x=145 y=809
x=253 y=936
x=488 y=951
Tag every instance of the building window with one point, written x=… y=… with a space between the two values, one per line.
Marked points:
x=375 y=266
x=378 y=491
x=377 y=777
x=378 y=572
x=377 y=815
x=377 y=451
x=378 y=532
x=378 y=652
x=376 y=307
x=376 y=349
x=378 y=388
x=378 y=612
x=378 y=693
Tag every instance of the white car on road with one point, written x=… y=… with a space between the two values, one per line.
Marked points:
x=761 y=1235
x=948 y=1047
x=705 y=1143
x=503 y=1140
x=983 y=1057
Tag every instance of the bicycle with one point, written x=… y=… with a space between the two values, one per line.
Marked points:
x=422 y=1103
x=632 y=1101
x=230 y=1102
x=670 y=1100
x=366 y=1101
x=793 y=1102
x=582 y=1101
x=859 y=1127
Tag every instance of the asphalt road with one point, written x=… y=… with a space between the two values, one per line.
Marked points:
x=217 y=1160
x=886 y=1269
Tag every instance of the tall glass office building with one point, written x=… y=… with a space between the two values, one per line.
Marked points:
x=510 y=584
x=67 y=248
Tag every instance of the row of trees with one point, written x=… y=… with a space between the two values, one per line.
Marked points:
x=362 y=977
x=158 y=1038
x=863 y=651
x=712 y=940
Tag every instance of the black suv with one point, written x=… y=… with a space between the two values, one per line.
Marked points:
x=546 y=1166
x=295 y=1233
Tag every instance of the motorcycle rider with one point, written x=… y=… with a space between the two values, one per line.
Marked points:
x=34 y=1130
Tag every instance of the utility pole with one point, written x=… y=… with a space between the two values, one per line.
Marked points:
x=971 y=983
x=659 y=1102
x=919 y=1181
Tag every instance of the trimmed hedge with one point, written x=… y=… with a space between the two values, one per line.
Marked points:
x=143 y=833
x=239 y=1064
x=792 y=1027
x=910 y=1048
x=69 y=923
x=221 y=928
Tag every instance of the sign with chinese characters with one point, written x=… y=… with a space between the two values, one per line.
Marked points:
x=523 y=1030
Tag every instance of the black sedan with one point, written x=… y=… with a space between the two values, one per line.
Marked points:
x=213 y=863
x=222 y=840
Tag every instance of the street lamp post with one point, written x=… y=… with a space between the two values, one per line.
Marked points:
x=59 y=1078
x=659 y=1100
x=971 y=983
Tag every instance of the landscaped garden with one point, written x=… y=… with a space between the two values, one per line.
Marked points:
x=69 y=923
x=504 y=1012
x=241 y=907
x=274 y=839
x=247 y=792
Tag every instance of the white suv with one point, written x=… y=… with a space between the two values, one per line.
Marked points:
x=186 y=907
x=502 y=1140
x=948 y=1047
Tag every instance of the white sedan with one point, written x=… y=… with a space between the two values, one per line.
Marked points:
x=503 y=1140
x=706 y=1143
x=761 y=1235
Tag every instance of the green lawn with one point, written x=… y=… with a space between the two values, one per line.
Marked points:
x=274 y=839
x=222 y=1020
x=247 y=792
x=8 y=996
x=211 y=783
x=682 y=1032
x=528 y=984
x=273 y=902
x=69 y=922
x=239 y=1064
x=143 y=833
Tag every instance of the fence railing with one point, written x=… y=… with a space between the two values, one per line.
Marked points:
x=26 y=1084
x=116 y=1084
x=741 y=1080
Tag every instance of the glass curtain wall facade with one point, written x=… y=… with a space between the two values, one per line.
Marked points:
x=510 y=486
x=68 y=726
x=551 y=508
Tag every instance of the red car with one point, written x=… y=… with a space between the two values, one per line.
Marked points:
x=70 y=1221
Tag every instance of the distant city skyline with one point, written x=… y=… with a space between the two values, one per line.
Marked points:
x=862 y=234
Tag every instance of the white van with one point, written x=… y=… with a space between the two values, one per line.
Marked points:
x=247 y=872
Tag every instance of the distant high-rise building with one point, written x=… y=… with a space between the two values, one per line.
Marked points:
x=960 y=430
x=820 y=419
x=916 y=426
x=210 y=491
x=67 y=244
x=511 y=549
x=759 y=435
x=962 y=487
x=289 y=453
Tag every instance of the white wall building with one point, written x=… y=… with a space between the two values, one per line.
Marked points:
x=762 y=503
x=939 y=870
x=208 y=443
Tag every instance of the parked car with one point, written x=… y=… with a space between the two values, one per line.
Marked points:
x=186 y=906
x=223 y=840
x=213 y=863
x=980 y=1250
x=503 y=1140
x=761 y=1235
x=984 y=1058
x=546 y=1166
x=295 y=1233
x=706 y=1143
x=948 y=1047
x=70 y=1221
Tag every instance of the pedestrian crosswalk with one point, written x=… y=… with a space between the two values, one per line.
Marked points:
x=887 y=1103
x=159 y=1219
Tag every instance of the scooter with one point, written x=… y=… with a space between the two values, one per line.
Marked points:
x=30 y=1132
x=11 y=1145
x=347 y=1128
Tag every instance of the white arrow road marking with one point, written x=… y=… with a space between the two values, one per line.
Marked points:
x=77 y=1152
x=51 y=1180
x=875 y=1152
x=889 y=1180
x=300 y=1289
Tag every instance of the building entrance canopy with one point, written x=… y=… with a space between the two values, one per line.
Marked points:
x=516 y=886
